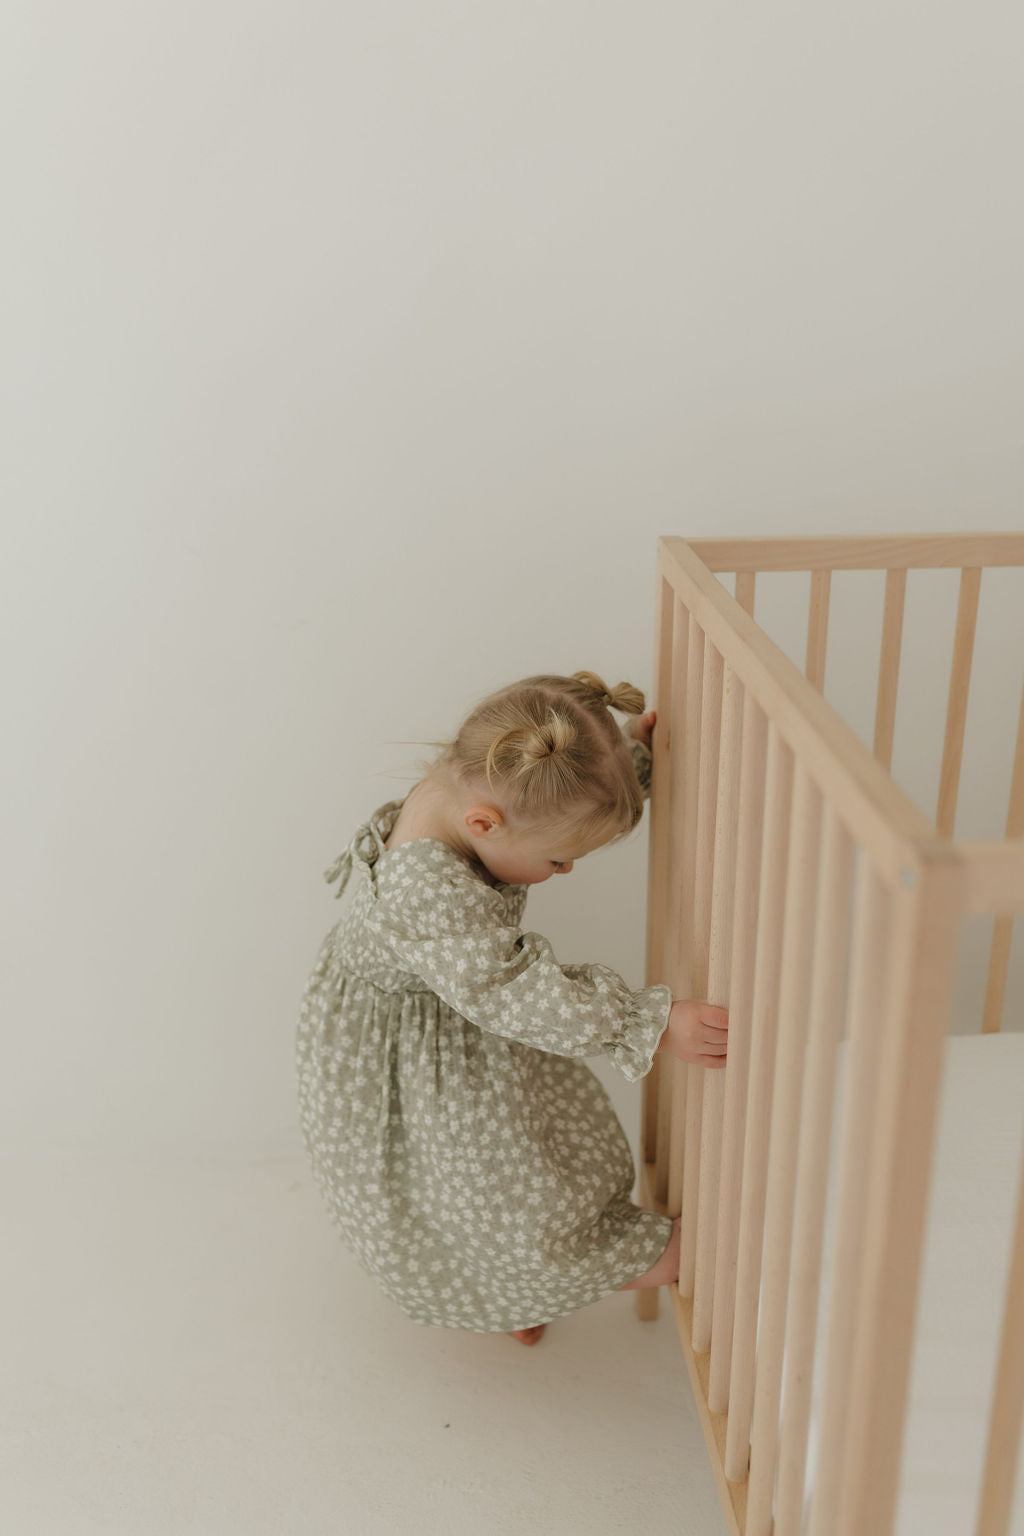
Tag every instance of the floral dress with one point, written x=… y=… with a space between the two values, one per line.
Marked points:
x=472 y=1161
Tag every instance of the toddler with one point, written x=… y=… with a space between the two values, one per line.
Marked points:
x=473 y=1163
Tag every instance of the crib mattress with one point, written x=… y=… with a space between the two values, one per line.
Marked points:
x=963 y=1286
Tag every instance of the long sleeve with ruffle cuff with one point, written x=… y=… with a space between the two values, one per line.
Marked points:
x=633 y=1053
x=453 y=934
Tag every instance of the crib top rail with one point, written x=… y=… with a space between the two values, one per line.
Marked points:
x=898 y=837
x=897 y=552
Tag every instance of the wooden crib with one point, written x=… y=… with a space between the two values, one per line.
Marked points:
x=793 y=881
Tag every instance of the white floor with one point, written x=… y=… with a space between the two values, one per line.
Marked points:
x=189 y=1350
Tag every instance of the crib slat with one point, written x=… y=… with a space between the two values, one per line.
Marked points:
x=745 y=590
x=707 y=802
x=830 y=943
x=817 y=628
x=660 y=824
x=719 y=965
x=1002 y=932
x=688 y=762
x=867 y=990
x=691 y=1174
x=680 y=903
x=741 y=988
x=794 y=996
x=1007 y=1398
x=707 y=797
x=889 y=665
x=691 y=774
x=771 y=899
x=907 y=1082
x=956 y=710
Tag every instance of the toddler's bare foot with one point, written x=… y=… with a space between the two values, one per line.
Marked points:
x=528 y=1335
x=666 y=1269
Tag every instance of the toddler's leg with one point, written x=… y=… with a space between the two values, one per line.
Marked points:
x=528 y=1335
x=662 y=1273
x=665 y=1270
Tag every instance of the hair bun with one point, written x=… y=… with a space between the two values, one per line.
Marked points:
x=597 y=684
x=623 y=696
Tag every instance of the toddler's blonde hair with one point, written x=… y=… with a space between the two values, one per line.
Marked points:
x=552 y=756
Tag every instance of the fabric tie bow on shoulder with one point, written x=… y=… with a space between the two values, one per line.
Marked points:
x=365 y=849
x=340 y=870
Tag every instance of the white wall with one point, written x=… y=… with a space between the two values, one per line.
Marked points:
x=354 y=359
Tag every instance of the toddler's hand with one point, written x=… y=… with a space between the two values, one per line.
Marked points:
x=642 y=727
x=696 y=1032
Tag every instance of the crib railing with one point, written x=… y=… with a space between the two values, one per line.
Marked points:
x=791 y=880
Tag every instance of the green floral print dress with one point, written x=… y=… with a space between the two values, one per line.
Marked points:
x=473 y=1163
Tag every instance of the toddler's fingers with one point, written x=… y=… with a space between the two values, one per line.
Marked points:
x=711 y=1014
x=713 y=1047
x=711 y=1061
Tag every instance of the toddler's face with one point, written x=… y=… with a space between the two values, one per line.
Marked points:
x=525 y=859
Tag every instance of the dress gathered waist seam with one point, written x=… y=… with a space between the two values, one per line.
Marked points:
x=336 y=965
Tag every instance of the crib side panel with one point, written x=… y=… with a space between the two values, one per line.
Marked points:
x=800 y=888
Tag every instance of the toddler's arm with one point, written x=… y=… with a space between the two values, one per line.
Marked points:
x=639 y=747
x=453 y=933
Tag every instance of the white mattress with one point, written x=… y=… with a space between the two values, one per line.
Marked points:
x=966 y=1257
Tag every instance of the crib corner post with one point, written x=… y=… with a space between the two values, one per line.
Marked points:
x=925 y=908
x=646 y=1304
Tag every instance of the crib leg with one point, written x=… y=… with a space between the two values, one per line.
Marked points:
x=647 y=1304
